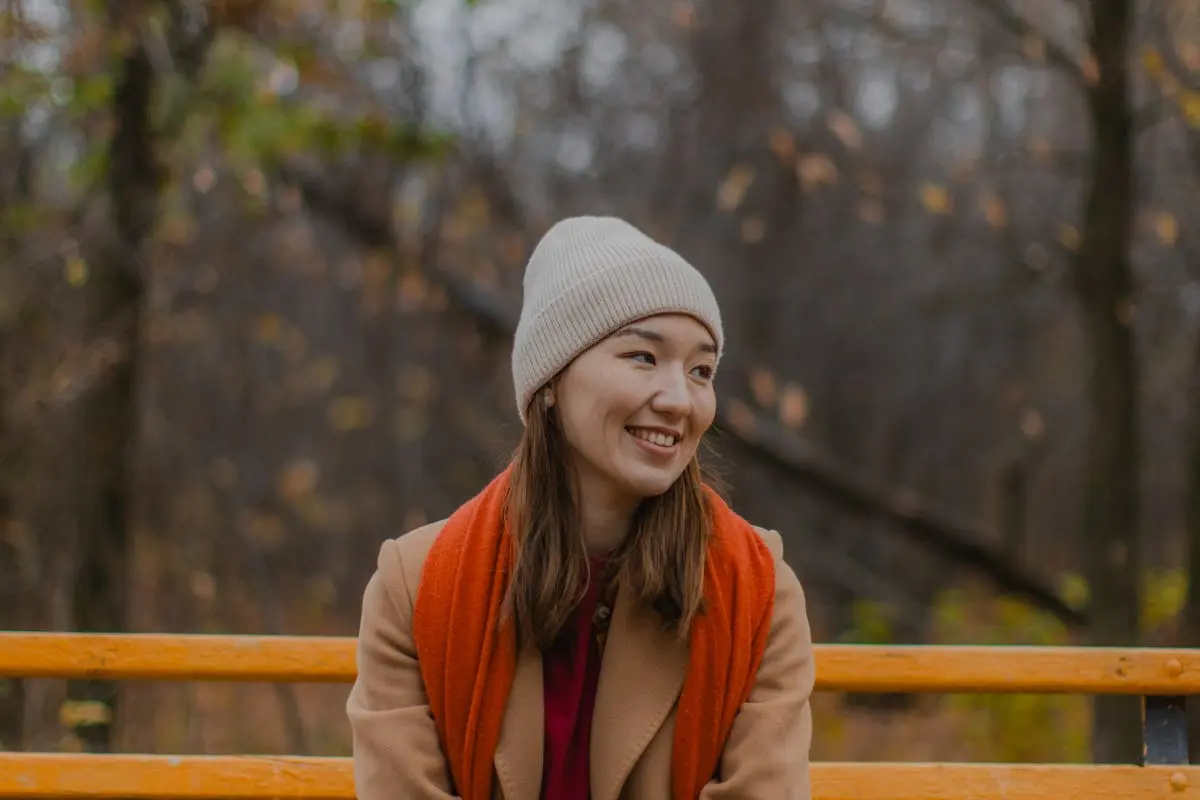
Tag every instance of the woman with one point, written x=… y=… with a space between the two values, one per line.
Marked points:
x=596 y=623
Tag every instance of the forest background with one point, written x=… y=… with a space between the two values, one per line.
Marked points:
x=260 y=262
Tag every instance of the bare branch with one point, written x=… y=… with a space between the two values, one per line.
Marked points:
x=1017 y=26
x=960 y=541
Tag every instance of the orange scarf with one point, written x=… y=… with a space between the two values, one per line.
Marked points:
x=468 y=662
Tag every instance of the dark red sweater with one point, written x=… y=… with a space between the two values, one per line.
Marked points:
x=570 y=672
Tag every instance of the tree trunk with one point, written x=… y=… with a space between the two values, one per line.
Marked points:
x=108 y=411
x=12 y=690
x=1191 y=614
x=1104 y=285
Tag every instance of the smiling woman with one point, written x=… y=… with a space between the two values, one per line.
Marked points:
x=596 y=622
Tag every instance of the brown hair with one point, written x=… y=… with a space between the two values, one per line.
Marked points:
x=661 y=561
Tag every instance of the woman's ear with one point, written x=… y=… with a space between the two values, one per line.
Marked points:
x=548 y=397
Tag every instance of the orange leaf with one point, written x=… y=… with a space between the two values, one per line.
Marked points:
x=1166 y=227
x=793 y=406
x=741 y=418
x=762 y=383
x=782 y=144
x=733 y=188
x=815 y=170
x=845 y=128
x=994 y=210
x=298 y=478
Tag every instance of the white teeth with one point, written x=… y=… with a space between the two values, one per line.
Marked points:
x=660 y=439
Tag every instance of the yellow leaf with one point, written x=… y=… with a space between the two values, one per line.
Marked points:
x=348 y=413
x=268 y=328
x=1073 y=589
x=78 y=713
x=935 y=198
x=762 y=383
x=76 y=271
x=1166 y=227
x=994 y=210
x=753 y=229
x=1069 y=236
x=1189 y=104
x=816 y=170
x=733 y=189
x=845 y=128
x=793 y=406
x=1152 y=62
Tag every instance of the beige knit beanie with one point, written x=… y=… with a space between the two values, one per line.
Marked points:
x=588 y=277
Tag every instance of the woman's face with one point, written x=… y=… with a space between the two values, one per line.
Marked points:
x=634 y=407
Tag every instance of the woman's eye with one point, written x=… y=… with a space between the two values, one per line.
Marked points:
x=645 y=358
x=704 y=371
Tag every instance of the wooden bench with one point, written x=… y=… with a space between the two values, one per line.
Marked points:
x=1163 y=678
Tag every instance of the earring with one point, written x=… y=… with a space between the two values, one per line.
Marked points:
x=549 y=398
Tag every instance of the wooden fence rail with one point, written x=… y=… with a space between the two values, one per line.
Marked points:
x=1163 y=678
x=972 y=669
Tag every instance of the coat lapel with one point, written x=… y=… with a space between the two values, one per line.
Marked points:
x=641 y=676
x=519 y=752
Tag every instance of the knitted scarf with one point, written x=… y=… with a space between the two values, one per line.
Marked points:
x=468 y=662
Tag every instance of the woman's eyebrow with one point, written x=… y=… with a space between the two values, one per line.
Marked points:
x=655 y=336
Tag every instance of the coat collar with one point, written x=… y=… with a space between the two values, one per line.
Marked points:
x=640 y=679
x=518 y=756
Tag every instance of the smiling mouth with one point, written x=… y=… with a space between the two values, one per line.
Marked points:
x=655 y=437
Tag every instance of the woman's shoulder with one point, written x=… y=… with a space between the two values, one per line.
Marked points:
x=402 y=558
x=772 y=539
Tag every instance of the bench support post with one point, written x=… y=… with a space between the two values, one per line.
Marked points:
x=1164 y=729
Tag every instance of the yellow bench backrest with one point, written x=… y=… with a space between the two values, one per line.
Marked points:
x=1163 y=676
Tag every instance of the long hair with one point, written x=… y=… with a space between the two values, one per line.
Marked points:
x=661 y=561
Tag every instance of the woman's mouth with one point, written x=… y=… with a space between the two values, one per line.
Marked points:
x=661 y=441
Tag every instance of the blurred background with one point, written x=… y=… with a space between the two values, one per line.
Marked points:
x=261 y=260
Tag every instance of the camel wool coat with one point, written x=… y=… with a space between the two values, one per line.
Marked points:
x=396 y=748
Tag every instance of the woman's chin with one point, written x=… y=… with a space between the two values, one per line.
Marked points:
x=646 y=484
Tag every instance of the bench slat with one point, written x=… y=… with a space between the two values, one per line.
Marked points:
x=41 y=775
x=844 y=668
